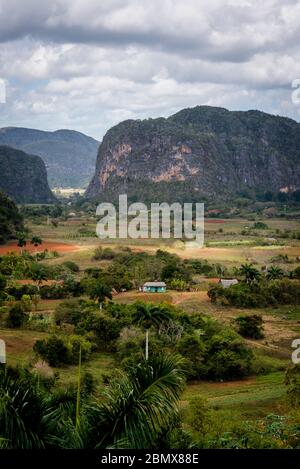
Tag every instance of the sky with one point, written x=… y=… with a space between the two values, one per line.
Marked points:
x=89 y=64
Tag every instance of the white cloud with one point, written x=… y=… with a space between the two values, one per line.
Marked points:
x=86 y=64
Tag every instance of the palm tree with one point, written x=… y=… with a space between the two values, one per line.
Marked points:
x=274 y=272
x=147 y=315
x=30 y=417
x=137 y=408
x=36 y=241
x=99 y=290
x=250 y=273
x=21 y=241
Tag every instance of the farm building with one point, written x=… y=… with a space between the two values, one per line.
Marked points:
x=154 y=287
x=227 y=282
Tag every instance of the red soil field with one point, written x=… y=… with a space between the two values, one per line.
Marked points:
x=51 y=246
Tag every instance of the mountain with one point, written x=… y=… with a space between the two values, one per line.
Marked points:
x=23 y=177
x=69 y=156
x=203 y=152
x=10 y=219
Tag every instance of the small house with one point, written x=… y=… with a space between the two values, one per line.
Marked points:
x=154 y=287
x=227 y=282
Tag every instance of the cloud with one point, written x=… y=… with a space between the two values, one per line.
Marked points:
x=87 y=64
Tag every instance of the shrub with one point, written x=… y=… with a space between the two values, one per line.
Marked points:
x=250 y=326
x=16 y=316
x=227 y=356
x=107 y=330
x=59 y=351
x=194 y=351
x=292 y=381
x=103 y=254
x=53 y=350
x=26 y=302
x=72 y=266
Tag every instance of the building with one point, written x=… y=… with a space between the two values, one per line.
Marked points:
x=154 y=287
x=227 y=282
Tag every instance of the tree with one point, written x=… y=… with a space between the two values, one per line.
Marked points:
x=38 y=273
x=274 y=272
x=249 y=273
x=30 y=418
x=135 y=412
x=21 y=237
x=137 y=409
x=97 y=290
x=250 y=326
x=147 y=315
x=36 y=241
x=16 y=316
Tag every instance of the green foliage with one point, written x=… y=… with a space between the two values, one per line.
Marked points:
x=72 y=266
x=193 y=349
x=137 y=409
x=251 y=295
x=250 y=326
x=26 y=303
x=103 y=254
x=259 y=225
x=60 y=351
x=10 y=219
x=292 y=381
x=16 y=316
x=31 y=417
x=97 y=290
x=249 y=273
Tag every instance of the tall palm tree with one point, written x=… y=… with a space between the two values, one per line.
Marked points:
x=249 y=273
x=274 y=272
x=136 y=409
x=147 y=315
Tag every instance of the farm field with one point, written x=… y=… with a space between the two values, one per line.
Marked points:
x=251 y=398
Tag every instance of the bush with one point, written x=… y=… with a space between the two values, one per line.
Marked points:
x=26 y=303
x=53 y=350
x=16 y=316
x=107 y=330
x=227 y=356
x=292 y=381
x=72 y=266
x=258 y=295
x=103 y=254
x=194 y=351
x=250 y=326
x=59 y=351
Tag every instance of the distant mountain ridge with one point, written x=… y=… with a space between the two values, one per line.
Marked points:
x=23 y=177
x=69 y=155
x=199 y=152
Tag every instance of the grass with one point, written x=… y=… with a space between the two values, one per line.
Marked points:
x=254 y=396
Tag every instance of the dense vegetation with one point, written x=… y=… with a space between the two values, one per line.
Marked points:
x=10 y=219
x=23 y=177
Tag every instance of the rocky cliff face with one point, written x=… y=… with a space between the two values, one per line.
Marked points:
x=198 y=152
x=23 y=177
x=69 y=156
